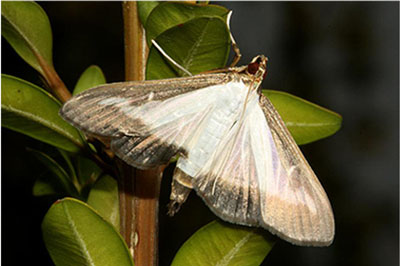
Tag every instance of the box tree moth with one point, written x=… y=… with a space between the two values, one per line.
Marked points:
x=234 y=149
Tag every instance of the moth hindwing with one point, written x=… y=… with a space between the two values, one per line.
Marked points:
x=234 y=148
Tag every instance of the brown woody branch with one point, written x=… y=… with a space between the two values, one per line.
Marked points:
x=139 y=189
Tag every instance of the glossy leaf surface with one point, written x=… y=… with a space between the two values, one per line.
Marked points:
x=306 y=121
x=32 y=111
x=75 y=234
x=198 y=45
x=104 y=198
x=90 y=78
x=26 y=27
x=43 y=186
x=47 y=185
x=220 y=243
x=170 y=14
x=145 y=8
x=87 y=170
x=71 y=169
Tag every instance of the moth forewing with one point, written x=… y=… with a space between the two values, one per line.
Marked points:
x=235 y=151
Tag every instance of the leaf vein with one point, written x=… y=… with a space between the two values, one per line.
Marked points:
x=84 y=250
x=188 y=62
x=231 y=254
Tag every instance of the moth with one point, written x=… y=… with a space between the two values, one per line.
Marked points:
x=234 y=149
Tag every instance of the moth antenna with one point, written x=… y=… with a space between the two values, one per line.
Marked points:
x=235 y=47
x=170 y=59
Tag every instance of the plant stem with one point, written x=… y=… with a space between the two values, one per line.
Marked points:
x=58 y=86
x=138 y=189
x=55 y=83
x=135 y=43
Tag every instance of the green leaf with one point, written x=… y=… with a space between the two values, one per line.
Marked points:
x=90 y=78
x=75 y=234
x=104 y=198
x=198 y=45
x=27 y=28
x=170 y=14
x=71 y=169
x=46 y=185
x=306 y=121
x=61 y=178
x=88 y=171
x=145 y=8
x=32 y=111
x=220 y=243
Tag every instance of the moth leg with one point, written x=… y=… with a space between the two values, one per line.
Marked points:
x=180 y=190
x=235 y=47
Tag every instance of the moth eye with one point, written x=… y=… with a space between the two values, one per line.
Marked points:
x=253 y=67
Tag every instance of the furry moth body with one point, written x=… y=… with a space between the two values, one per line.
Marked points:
x=234 y=148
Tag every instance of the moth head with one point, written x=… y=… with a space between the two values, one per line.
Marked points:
x=258 y=66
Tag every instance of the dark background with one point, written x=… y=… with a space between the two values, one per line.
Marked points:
x=343 y=56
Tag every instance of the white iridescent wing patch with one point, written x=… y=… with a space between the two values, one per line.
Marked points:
x=182 y=122
x=228 y=182
x=226 y=111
